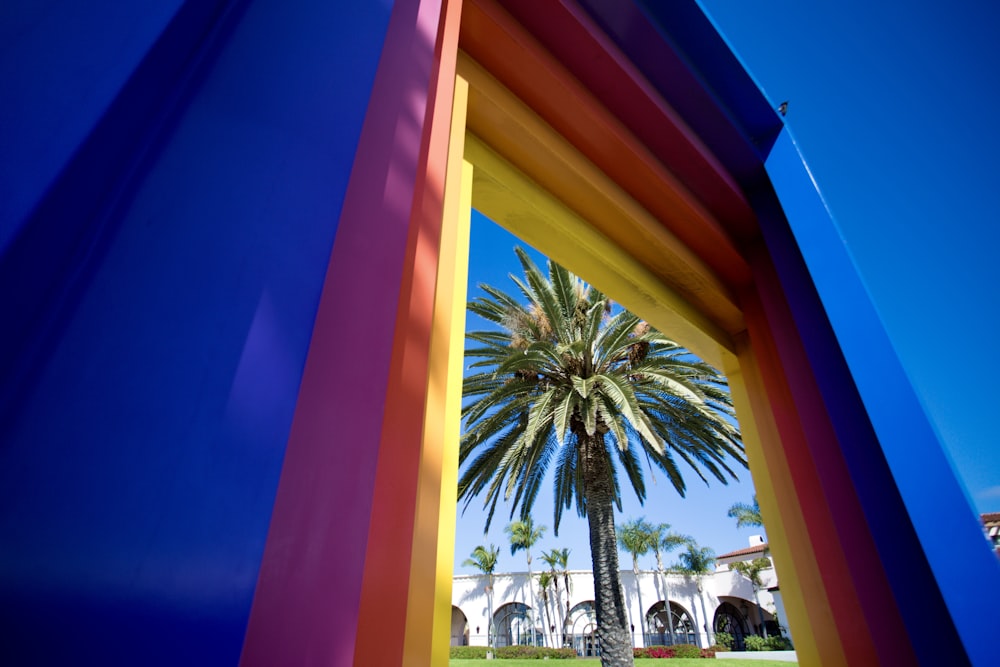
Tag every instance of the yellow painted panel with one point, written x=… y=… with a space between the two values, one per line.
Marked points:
x=516 y=133
x=423 y=642
x=515 y=202
x=810 y=617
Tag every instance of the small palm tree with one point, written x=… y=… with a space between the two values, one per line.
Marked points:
x=555 y=558
x=635 y=537
x=485 y=560
x=545 y=582
x=663 y=540
x=524 y=535
x=746 y=515
x=751 y=570
x=566 y=384
x=558 y=562
x=697 y=562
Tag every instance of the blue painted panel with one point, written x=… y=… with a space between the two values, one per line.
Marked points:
x=894 y=107
x=53 y=96
x=900 y=554
x=937 y=505
x=138 y=475
x=679 y=50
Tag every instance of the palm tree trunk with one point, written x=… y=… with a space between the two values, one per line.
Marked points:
x=612 y=625
x=642 y=611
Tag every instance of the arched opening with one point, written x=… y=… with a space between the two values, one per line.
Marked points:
x=583 y=630
x=729 y=619
x=669 y=629
x=459 y=627
x=757 y=618
x=512 y=625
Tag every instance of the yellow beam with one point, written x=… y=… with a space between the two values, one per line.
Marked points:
x=512 y=130
x=810 y=616
x=428 y=611
x=517 y=203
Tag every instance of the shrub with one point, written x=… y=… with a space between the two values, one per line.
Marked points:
x=724 y=638
x=778 y=644
x=708 y=652
x=686 y=651
x=468 y=652
x=755 y=643
x=535 y=653
x=719 y=648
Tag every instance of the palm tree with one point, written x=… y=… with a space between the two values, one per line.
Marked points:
x=485 y=560
x=635 y=537
x=551 y=558
x=697 y=561
x=567 y=384
x=746 y=515
x=663 y=540
x=545 y=581
x=558 y=562
x=751 y=570
x=523 y=535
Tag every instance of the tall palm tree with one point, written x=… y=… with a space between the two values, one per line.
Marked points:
x=746 y=515
x=635 y=537
x=697 y=562
x=565 y=383
x=524 y=535
x=485 y=560
x=663 y=540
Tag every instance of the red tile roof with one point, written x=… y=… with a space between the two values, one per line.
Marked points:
x=749 y=551
x=990 y=517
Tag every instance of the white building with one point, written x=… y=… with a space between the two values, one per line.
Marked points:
x=722 y=600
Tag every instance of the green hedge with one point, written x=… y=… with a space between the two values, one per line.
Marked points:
x=468 y=652
x=505 y=652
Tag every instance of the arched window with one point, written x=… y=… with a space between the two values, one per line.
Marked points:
x=663 y=630
x=729 y=619
x=583 y=629
x=512 y=625
x=459 y=627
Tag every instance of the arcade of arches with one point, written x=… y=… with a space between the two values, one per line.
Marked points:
x=508 y=616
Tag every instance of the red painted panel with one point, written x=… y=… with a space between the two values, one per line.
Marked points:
x=390 y=536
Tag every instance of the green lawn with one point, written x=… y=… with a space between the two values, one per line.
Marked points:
x=641 y=662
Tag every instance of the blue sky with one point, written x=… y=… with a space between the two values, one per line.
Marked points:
x=894 y=106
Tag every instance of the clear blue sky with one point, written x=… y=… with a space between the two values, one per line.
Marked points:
x=895 y=106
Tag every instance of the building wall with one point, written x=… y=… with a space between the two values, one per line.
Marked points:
x=469 y=595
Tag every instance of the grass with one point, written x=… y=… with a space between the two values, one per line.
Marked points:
x=641 y=662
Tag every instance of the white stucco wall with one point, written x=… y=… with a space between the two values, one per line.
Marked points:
x=469 y=596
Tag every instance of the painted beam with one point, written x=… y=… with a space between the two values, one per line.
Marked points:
x=520 y=63
x=943 y=520
x=309 y=593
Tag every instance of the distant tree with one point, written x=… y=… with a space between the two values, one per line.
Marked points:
x=751 y=570
x=524 y=535
x=636 y=538
x=746 y=515
x=697 y=562
x=664 y=541
x=545 y=582
x=558 y=562
x=485 y=560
